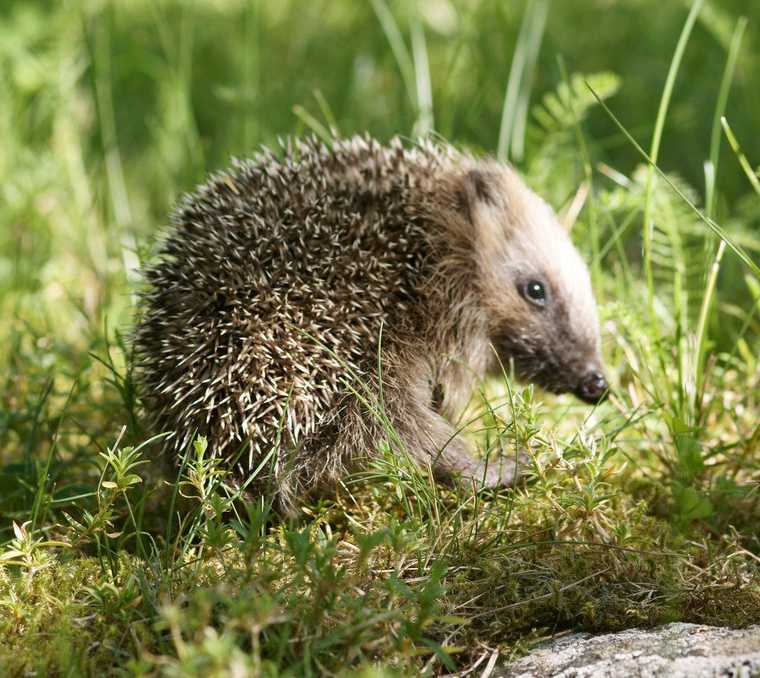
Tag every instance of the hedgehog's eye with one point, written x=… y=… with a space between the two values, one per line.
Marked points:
x=535 y=292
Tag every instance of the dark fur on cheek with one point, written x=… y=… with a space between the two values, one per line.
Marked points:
x=548 y=359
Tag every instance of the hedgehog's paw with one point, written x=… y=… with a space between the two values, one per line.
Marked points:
x=504 y=471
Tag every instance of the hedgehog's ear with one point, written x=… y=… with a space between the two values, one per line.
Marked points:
x=478 y=190
x=482 y=201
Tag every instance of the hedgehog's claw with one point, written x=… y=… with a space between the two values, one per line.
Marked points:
x=503 y=472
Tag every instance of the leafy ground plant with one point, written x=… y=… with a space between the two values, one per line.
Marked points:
x=640 y=511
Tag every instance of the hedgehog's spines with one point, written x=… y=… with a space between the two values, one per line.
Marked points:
x=218 y=279
x=337 y=239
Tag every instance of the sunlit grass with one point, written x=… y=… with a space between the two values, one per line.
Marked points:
x=639 y=511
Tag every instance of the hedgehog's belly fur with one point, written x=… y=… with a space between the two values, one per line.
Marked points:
x=259 y=310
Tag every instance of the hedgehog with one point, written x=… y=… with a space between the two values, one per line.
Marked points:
x=305 y=303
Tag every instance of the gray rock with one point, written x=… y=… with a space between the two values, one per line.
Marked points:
x=673 y=651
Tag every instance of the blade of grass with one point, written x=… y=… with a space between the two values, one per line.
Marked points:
x=425 y=120
x=736 y=148
x=251 y=71
x=523 y=61
x=397 y=45
x=720 y=110
x=711 y=171
x=313 y=124
x=31 y=440
x=654 y=151
x=704 y=314
x=327 y=113
x=523 y=100
x=737 y=249
x=43 y=474
x=589 y=175
x=117 y=185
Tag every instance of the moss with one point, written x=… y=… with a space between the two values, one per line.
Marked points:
x=639 y=512
x=355 y=586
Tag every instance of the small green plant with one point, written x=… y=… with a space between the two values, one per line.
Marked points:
x=637 y=512
x=27 y=552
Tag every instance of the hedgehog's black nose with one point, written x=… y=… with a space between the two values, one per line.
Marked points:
x=593 y=388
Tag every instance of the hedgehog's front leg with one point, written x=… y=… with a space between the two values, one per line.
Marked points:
x=410 y=399
x=430 y=439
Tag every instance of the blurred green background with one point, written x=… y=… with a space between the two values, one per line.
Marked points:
x=111 y=110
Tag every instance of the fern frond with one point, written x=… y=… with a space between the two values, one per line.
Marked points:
x=569 y=103
x=553 y=159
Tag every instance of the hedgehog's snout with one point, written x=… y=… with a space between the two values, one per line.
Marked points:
x=593 y=387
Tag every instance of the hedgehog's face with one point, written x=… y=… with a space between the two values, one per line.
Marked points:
x=535 y=287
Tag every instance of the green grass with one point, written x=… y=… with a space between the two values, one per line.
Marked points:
x=641 y=511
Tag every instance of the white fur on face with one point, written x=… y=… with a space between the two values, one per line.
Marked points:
x=523 y=240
